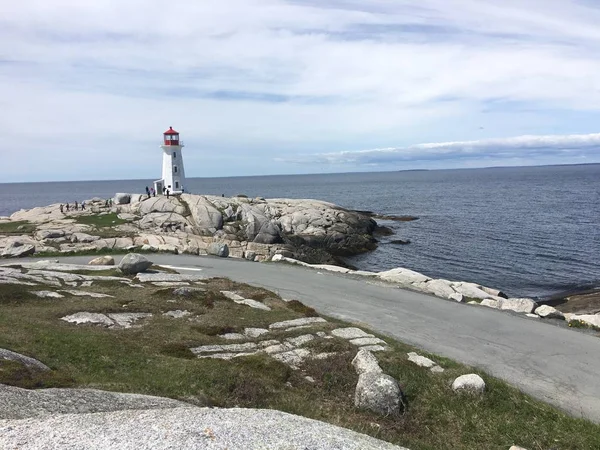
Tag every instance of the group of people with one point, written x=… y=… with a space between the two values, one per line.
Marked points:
x=75 y=207
x=151 y=192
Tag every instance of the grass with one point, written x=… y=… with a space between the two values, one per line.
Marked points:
x=17 y=227
x=583 y=325
x=100 y=221
x=155 y=359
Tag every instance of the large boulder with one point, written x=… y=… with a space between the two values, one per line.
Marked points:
x=218 y=249
x=122 y=198
x=379 y=393
x=403 y=276
x=160 y=204
x=25 y=360
x=470 y=383
x=548 y=312
x=521 y=305
x=133 y=263
x=14 y=247
x=205 y=215
x=106 y=260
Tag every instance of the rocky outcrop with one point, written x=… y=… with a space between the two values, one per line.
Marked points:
x=255 y=229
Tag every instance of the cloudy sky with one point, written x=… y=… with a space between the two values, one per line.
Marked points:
x=295 y=86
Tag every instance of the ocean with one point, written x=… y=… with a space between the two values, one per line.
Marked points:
x=530 y=231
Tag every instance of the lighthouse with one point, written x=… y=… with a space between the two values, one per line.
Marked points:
x=173 y=174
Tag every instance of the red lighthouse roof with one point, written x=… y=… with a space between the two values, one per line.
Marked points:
x=171 y=131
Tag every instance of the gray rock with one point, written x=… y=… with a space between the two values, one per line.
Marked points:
x=134 y=263
x=379 y=393
x=204 y=213
x=439 y=288
x=47 y=294
x=17 y=403
x=471 y=383
x=367 y=341
x=106 y=260
x=521 y=305
x=374 y=348
x=49 y=234
x=232 y=296
x=232 y=336
x=87 y=317
x=365 y=362
x=16 y=248
x=255 y=332
x=296 y=322
x=86 y=294
x=403 y=276
x=177 y=314
x=218 y=249
x=121 y=198
x=436 y=369
x=25 y=360
x=470 y=290
x=183 y=428
x=186 y=291
x=548 y=312
x=225 y=348
x=457 y=297
x=250 y=255
x=420 y=361
x=126 y=320
x=292 y=358
x=350 y=333
x=490 y=303
x=167 y=277
x=253 y=304
x=300 y=340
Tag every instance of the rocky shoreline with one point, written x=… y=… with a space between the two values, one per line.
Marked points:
x=308 y=232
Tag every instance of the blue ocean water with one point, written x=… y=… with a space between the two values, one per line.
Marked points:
x=530 y=231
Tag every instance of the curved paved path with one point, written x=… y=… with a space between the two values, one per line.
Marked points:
x=552 y=363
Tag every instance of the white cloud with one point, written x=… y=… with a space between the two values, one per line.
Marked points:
x=576 y=146
x=275 y=78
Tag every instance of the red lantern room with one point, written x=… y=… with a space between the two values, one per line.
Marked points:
x=171 y=137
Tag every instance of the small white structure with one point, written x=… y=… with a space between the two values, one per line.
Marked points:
x=173 y=174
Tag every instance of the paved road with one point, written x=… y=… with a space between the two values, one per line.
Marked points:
x=552 y=363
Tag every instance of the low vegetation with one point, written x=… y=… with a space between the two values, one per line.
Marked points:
x=156 y=359
x=101 y=220
x=17 y=227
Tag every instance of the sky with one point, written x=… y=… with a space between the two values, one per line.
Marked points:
x=259 y=87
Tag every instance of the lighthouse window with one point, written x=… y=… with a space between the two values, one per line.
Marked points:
x=175 y=169
x=177 y=185
x=174 y=154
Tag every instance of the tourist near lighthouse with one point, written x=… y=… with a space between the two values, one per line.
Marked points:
x=173 y=173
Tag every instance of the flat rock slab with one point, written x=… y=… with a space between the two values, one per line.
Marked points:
x=300 y=340
x=350 y=333
x=255 y=332
x=126 y=320
x=177 y=314
x=17 y=403
x=168 y=277
x=367 y=341
x=232 y=296
x=232 y=336
x=170 y=283
x=292 y=358
x=47 y=294
x=87 y=317
x=296 y=322
x=374 y=348
x=25 y=360
x=184 y=428
x=253 y=304
x=225 y=348
x=420 y=361
x=57 y=267
x=87 y=294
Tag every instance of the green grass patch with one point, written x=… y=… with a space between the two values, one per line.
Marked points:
x=100 y=221
x=17 y=228
x=155 y=359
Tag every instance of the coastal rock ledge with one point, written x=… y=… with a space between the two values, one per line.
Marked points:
x=256 y=229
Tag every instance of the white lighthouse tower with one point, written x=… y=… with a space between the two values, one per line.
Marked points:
x=173 y=174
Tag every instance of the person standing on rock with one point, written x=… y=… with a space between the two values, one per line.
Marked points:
x=61 y=208
x=147 y=191
x=75 y=206
x=67 y=207
x=153 y=192
x=167 y=191
x=83 y=206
